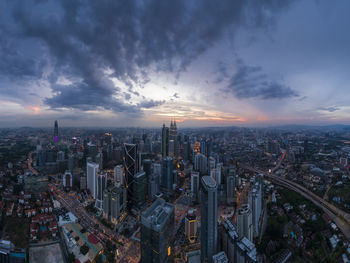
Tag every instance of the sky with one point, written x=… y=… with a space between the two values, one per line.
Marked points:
x=202 y=62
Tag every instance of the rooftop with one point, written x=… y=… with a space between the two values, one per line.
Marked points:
x=157 y=214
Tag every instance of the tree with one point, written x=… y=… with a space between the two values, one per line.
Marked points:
x=84 y=249
x=71 y=258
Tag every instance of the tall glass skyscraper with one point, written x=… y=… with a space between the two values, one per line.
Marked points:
x=209 y=219
x=130 y=168
x=55 y=132
x=165 y=141
x=167 y=179
x=157 y=227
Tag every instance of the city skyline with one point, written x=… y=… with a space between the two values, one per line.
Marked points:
x=251 y=64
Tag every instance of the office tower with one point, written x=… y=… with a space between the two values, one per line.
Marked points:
x=171 y=148
x=67 y=180
x=220 y=258
x=118 y=175
x=215 y=173
x=228 y=239
x=193 y=256
x=157 y=169
x=211 y=163
x=195 y=185
x=139 y=189
x=55 y=132
x=99 y=159
x=244 y=222
x=91 y=172
x=230 y=189
x=60 y=156
x=246 y=251
x=114 y=202
x=130 y=167
x=173 y=130
x=82 y=182
x=165 y=141
x=187 y=150
x=71 y=162
x=255 y=202
x=202 y=147
x=92 y=151
x=191 y=225
x=101 y=186
x=167 y=175
x=209 y=219
x=157 y=227
x=147 y=167
x=153 y=185
x=208 y=147
x=200 y=163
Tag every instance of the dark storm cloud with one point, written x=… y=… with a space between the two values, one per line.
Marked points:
x=251 y=82
x=86 y=37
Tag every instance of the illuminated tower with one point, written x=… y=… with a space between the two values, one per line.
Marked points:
x=55 y=132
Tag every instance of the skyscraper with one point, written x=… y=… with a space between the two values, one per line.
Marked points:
x=230 y=189
x=167 y=180
x=139 y=189
x=118 y=175
x=91 y=171
x=244 y=222
x=130 y=168
x=165 y=141
x=195 y=185
x=209 y=219
x=191 y=225
x=101 y=186
x=157 y=226
x=114 y=201
x=55 y=132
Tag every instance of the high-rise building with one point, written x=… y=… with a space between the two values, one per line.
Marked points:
x=91 y=172
x=230 y=189
x=165 y=141
x=55 y=132
x=228 y=239
x=167 y=180
x=193 y=256
x=255 y=202
x=71 y=162
x=244 y=222
x=220 y=258
x=157 y=227
x=99 y=159
x=139 y=189
x=195 y=186
x=153 y=185
x=60 y=156
x=67 y=180
x=191 y=225
x=209 y=219
x=101 y=186
x=118 y=175
x=114 y=202
x=246 y=251
x=130 y=168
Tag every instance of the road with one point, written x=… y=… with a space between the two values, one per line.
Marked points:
x=88 y=222
x=340 y=218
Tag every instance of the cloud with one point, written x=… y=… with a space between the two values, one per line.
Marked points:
x=129 y=38
x=251 y=82
x=329 y=109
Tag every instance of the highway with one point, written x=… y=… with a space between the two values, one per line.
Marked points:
x=340 y=218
